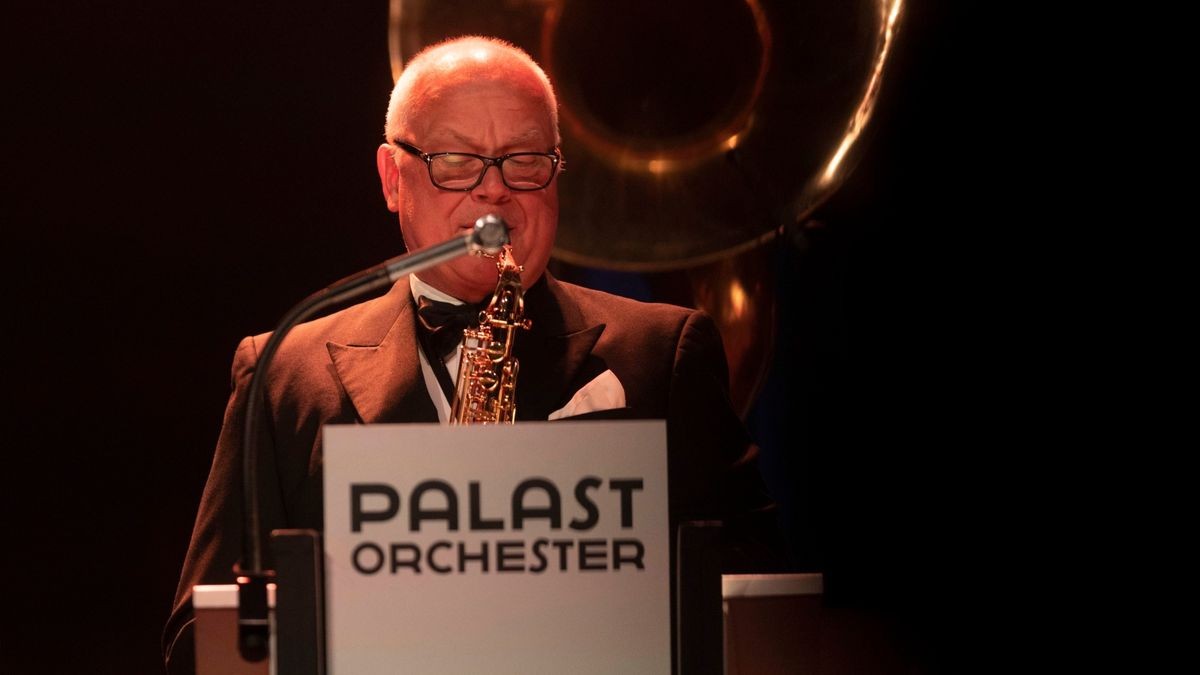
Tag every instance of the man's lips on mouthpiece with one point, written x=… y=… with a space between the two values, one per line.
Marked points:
x=512 y=227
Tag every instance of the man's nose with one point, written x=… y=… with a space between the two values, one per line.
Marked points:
x=492 y=188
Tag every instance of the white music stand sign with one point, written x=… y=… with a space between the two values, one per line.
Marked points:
x=533 y=548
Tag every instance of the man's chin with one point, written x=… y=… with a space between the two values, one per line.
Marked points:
x=480 y=283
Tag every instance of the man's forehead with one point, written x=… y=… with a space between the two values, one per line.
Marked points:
x=532 y=135
x=476 y=82
x=458 y=109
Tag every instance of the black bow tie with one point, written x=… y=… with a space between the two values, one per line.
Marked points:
x=443 y=324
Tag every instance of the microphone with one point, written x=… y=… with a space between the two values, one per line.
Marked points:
x=488 y=235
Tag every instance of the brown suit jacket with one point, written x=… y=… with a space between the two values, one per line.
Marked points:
x=360 y=365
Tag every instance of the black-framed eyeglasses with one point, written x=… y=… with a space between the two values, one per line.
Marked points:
x=463 y=171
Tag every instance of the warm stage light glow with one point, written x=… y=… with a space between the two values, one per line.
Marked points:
x=859 y=120
x=737 y=300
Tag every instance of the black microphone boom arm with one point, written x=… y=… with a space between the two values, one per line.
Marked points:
x=489 y=234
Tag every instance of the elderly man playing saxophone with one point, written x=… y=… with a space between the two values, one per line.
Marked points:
x=471 y=130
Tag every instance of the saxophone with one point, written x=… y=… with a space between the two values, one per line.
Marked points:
x=486 y=392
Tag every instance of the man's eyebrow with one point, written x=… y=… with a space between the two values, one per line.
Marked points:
x=525 y=137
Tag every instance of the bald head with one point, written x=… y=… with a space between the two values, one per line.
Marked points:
x=449 y=65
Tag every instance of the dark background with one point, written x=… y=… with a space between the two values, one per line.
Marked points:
x=176 y=175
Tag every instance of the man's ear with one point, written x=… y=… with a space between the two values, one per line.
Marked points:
x=389 y=175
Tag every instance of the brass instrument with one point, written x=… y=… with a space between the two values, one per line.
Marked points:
x=487 y=372
x=698 y=135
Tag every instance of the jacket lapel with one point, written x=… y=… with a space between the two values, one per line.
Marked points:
x=378 y=365
x=554 y=352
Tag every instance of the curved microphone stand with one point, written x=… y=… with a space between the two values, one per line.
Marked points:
x=489 y=234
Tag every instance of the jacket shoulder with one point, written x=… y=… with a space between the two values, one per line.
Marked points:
x=615 y=310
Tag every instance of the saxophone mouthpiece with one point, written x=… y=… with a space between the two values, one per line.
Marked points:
x=489 y=235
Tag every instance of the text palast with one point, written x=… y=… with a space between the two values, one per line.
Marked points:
x=533 y=499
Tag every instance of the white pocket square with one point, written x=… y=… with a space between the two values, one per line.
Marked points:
x=603 y=393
